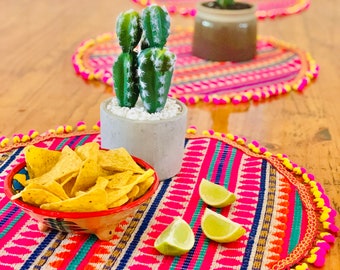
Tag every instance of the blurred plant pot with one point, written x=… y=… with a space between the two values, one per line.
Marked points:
x=225 y=34
x=158 y=142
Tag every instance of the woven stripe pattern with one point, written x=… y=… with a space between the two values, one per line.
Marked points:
x=278 y=68
x=274 y=205
x=265 y=8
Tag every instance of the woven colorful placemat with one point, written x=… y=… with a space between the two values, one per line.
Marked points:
x=288 y=218
x=265 y=8
x=278 y=68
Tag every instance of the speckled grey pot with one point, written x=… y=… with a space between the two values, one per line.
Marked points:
x=158 y=142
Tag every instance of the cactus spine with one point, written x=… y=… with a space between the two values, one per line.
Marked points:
x=150 y=75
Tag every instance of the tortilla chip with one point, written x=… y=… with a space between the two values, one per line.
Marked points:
x=133 y=193
x=56 y=189
x=114 y=194
x=67 y=186
x=142 y=177
x=119 y=202
x=144 y=186
x=94 y=200
x=63 y=181
x=119 y=179
x=118 y=160
x=87 y=176
x=39 y=160
x=100 y=183
x=68 y=163
x=88 y=150
x=36 y=197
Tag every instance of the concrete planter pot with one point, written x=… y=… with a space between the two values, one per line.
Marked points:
x=225 y=34
x=158 y=142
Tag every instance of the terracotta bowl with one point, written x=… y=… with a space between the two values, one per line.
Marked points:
x=100 y=223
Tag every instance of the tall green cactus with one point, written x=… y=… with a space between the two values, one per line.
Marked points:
x=155 y=69
x=156 y=25
x=129 y=32
x=125 y=79
x=149 y=72
x=156 y=63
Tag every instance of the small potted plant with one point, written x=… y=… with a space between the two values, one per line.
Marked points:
x=141 y=117
x=225 y=30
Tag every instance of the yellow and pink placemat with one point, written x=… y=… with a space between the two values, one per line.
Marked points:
x=289 y=220
x=265 y=8
x=278 y=68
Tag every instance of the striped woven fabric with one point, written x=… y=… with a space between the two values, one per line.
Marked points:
x=278 y=68
x=281 y=207
x=265 y=8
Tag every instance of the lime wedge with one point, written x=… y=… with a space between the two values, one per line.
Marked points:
x=220 y=228
x=177 y=239
x=215 y=195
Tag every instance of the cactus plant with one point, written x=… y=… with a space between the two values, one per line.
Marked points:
x=125 y=79
x=147 y=73
x=129 y=32
x=225 y=3
x=155 y=69
x=156 y=26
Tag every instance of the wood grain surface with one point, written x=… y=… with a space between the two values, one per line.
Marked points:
x=40 y=90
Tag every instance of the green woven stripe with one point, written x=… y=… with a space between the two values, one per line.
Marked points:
x=4 y=209
x=13 y=222
x=202 y=254
x=296 y=225
x=230 y=166
x=83 y=140
x=213 y=160
x=62 y=144
x=82 y=252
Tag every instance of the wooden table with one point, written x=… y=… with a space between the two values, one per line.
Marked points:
x=40 y=90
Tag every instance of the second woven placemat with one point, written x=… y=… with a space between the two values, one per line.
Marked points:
x=265 y=8
x=278 y=68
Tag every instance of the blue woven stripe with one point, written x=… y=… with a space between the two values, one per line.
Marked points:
x=198 y=235
x=144 y=225
x=12 y=157
x=222 y=162
x=230 y=166
x=258 y=212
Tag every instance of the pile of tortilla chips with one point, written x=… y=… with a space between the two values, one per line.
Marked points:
x=86 y=179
